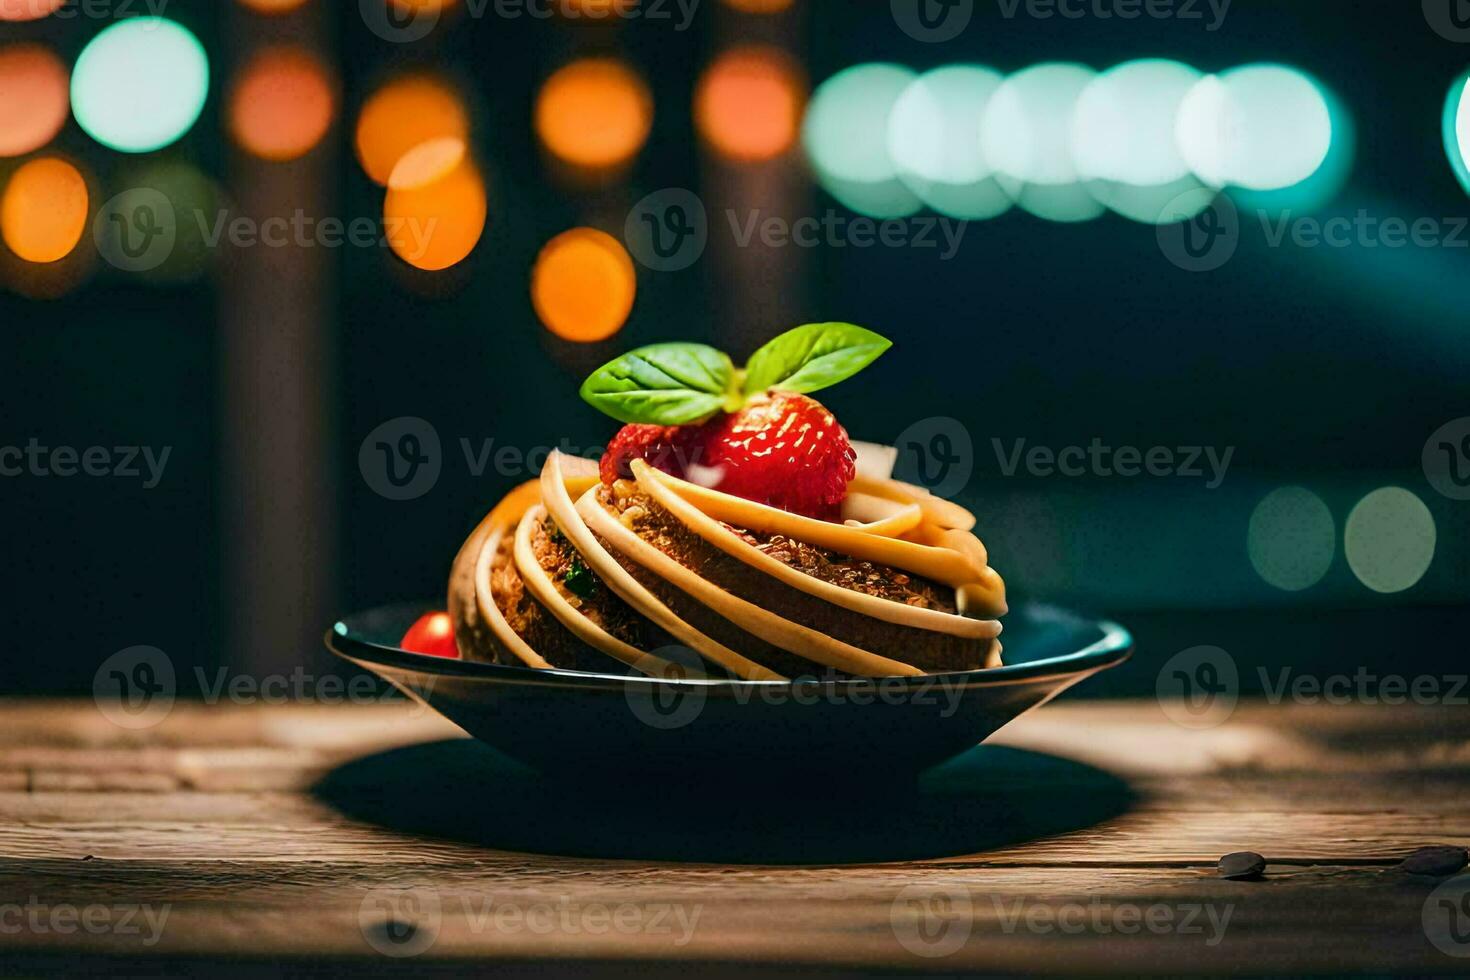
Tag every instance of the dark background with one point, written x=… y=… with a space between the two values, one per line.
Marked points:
x=1327 y=368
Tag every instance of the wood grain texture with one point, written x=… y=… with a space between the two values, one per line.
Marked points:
x=254 y=840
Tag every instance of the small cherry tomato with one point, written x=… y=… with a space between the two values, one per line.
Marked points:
x=433 y=635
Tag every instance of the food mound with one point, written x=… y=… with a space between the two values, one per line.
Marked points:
x=728 y=517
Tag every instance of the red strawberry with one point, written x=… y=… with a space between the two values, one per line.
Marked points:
x=670 y=448
x=785 y=450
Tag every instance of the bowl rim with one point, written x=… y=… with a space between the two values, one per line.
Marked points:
x=1113 y=647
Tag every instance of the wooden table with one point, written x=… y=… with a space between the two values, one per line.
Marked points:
x=355 y=839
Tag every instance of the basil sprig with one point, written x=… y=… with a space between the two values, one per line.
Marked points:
x=680 y=384
x=813 y=357
x=664 y=384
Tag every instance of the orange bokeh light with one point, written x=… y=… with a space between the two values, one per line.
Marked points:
x=282 y=104
x=34 y=98
x=595 y=113
x=44 y=210
x=273 y=6
x=403 y=114
x=748 y=104
x=583 y=285
x=436 y=206
x=28 y=9
x=760 y=6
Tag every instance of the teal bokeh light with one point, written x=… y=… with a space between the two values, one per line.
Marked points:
x=1324 y=185
x=1457 y=129
x=1124 y=145
x=934 y=140
x=1026 y=134
x=845 y=135
x=1260 y=127
x=140 y=84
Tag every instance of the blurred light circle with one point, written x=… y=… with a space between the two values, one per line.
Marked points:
x=140 y=84
x=1389 y=540
x=33 y=98
x=435 y=210
x=846 y=139
x=1261 y=127
x=282 y=104
x=1292 y=538
x=934 y=140
x=273 y=6
x=1457 y=129
x=403 y=114
x=1026 y=134
x=583 y=285
x=43 y=212
x=594 y=113
x=748 y=104
x=18 y=10
x=1123 y=125
x=159 y=226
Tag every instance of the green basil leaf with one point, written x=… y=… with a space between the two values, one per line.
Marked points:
x=813 y=357
x=663 y=384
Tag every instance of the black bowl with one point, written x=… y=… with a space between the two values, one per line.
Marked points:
x=570 y=723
